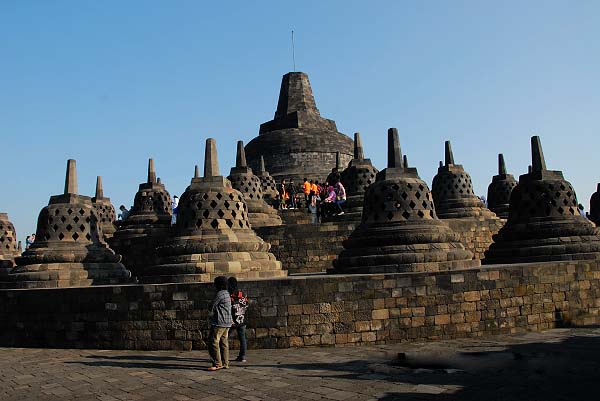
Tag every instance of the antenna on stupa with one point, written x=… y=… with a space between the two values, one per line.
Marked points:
x=71 y=177
x=293 y=51
x=394 y=151
x=99 y=189
x=211 y=163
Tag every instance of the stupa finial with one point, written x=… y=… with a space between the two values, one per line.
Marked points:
x=441 y=163
x=240 y=157
x=394 y=151
x=405 y=161
x=261 y=167
x=99 y=188
x=538 y=163
x=196 y=171
x=501 y=164
x=358 y=148
x=71 y=177
x=449 y=156
x=151 y=172
x=211 y=163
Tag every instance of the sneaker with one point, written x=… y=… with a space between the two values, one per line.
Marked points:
x=240 y=359
x=340 y=213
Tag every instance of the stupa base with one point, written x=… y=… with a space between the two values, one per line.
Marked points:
x=52 y=275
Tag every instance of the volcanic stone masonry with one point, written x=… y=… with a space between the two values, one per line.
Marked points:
x=356 y=179
x=301 y=144
x=69 y=249
x=458 y=206
x=260 y=214
x=400 y=231
x=212 y=236
x=8 y=245
x=105 y=211
x=147 y=225
x=544 y=223
x=268 y=185
x=594 y=214
x=499 y=190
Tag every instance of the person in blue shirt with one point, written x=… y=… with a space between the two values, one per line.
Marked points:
x=220 y=322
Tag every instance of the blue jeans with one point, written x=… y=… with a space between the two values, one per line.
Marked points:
x=339 y=204
x=241 y=333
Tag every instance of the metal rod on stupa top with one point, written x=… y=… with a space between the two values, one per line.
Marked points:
x=71 y=177
x=358 y=148
x=538 y=163
x=151 y=172
x=394 y=150
x=211 y=163
x=240 y=157
x=449 y=156
x=99 y=188
x=501 y=164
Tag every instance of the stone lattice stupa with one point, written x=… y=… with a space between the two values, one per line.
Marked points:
x=544 y=223
x=356 y=179
x=260 y=214
x=8 y=244
x=105 y=210
x=594 y=214
x=213 y=235
x=269 y=187
x=400 y=230
x=499 y=190
x=298 y=143
x=147 y=225
x=69 y=249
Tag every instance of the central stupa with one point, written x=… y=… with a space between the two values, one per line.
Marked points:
x=298 y=143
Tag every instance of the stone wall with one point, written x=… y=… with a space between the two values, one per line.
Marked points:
x=476 y=233
x=311 y=310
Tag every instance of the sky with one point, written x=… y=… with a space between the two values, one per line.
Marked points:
x=113 y=83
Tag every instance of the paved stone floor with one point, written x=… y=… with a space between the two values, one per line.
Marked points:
x=560 y=364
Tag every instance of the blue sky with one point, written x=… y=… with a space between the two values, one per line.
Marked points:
x=112 y=83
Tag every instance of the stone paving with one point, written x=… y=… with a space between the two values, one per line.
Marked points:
x=559 y=364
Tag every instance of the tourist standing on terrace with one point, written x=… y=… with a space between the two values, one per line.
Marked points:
x=220 y=322
x=174 y=206
x=283 y=195
x=340 y=196
x=306 y=189
x=239 y=305
x=292 y=191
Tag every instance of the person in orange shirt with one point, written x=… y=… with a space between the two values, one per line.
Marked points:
x=306 y=189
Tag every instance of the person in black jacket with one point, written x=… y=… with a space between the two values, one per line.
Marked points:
x=239 y=305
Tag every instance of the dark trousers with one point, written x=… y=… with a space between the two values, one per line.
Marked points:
x=241 y=334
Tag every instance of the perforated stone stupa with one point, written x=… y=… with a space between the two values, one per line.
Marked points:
x=594 y=214
x=147 y=226
x=268 y=185
x=69 y=249
x=8 y=244
x=544 y=223
x=400 y=231
x=356 y=179
x=452 y=191
x=298 y=143
x=105 y=210
x=212 y=235
x=260 y=214
x=499 y=190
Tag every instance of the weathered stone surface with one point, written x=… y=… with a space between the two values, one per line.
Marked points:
x=452 y=191
x=543 y=220
x=400 y=230
x=260 y=214
x=8 y=245
x=69 y=249
x=105 y=211
x=499 y=190
x=268 y=185
x=212 y=236
x=147 y=226
x=312 y=310
x=298 y=143
x=594 y=214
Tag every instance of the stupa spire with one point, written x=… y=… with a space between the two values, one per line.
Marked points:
x=394 y=151
x=295 y=95
x=405 y=161
x=71 y=178
x=240 y=158
x=211 y=163
x=196 y=171
x=261 y=166
x=358 y=148
x=99 y=188
x=501 y=164
x=151 y=172
x=538 y=163
x=449 y=156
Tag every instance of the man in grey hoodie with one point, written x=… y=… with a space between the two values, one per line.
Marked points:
x=220 y=322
